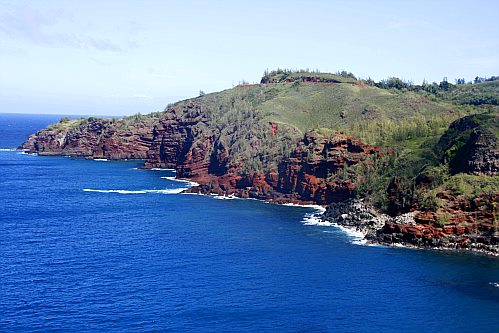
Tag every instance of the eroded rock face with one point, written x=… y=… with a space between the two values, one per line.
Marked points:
x=174 y=136
x=309 y=175
x=461 y=224
x=479 y=156
x=182 y=139
x=314 y=170
x=472 y=229
x=94 y=138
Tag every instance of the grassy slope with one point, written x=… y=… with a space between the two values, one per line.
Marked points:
x=343 y=106
x=486 y=92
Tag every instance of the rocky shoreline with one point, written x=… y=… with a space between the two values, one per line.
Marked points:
x=356 y=216
x=403 y=230
x=314 y=167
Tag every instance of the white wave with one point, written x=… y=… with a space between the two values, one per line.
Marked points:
x=160 y=169
x=115 y=191
x=314 y=219
x=316 y=207
x=225 y=197
x=8 y=149
x=188 y=182
x=164 y=191
x=351 y=232
x=167 y=191
x=495 y=284
x=101 y=159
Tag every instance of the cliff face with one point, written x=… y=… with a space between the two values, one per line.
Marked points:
x=183 y=139
x=312 y=172
x=308 y=175
x=93 y=138
x=174 y=136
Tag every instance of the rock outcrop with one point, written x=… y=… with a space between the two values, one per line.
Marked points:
x=356 y=215
x=174 y=136
x=470 y=145
x=93 y=138
x=474 y=229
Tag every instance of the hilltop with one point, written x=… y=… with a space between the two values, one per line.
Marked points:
x=311 y=137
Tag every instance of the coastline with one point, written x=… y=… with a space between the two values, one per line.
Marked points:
x=361 y=222
x=365 y=225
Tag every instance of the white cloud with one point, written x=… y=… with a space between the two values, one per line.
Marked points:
x=34 y=26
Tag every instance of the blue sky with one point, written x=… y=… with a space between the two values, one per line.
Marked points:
x=123 y=57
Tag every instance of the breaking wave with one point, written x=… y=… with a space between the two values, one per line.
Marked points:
x=188 y=182
x=224 y=197
x=114 y=191
x=315 y=219
x=165 y=191
x=318 y=208
x=160 y=169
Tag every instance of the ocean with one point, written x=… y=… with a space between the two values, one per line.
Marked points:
x=103 y=246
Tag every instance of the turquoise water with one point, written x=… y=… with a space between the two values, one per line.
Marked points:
x=103 y=246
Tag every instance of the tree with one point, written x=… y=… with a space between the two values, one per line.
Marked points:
x=201 y=93
x=444 y=85
x=478 y=80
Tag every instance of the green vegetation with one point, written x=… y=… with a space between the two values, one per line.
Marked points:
x=444 y=219
x=471 y=186
x=65 y=124
x=290 y=75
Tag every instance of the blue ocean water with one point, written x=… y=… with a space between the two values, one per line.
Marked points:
x=101 y=246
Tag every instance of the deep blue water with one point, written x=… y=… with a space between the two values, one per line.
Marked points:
x=153 y=260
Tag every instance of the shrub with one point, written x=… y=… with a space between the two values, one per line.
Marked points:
x=444 y=219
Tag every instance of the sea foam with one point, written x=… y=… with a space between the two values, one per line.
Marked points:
x=167 y=191
x=164 y=191
x=223 y=197
x=188 y=182
x=115 y=191
x=160 y=169
x=315 y=219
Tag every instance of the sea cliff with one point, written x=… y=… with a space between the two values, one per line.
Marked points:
x=440 y=193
